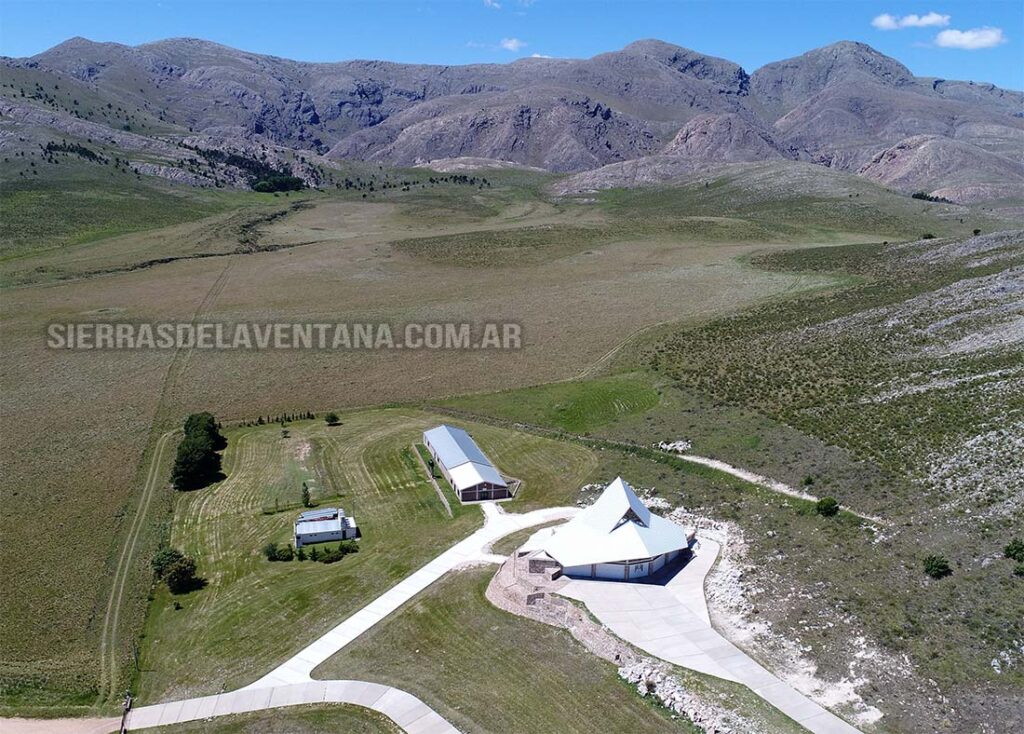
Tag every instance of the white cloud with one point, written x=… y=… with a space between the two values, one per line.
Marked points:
x=887 y=22
x=972 y=40
x=512 y=44
x=541 y=56
x=492 y=4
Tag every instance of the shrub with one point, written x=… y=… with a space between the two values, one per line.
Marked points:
x=275 y=552
x=164 y=559
x=827 y=507
x=332 y=419
x=937 y=567
x=977 y=232
x=344 y=548
x=181 y=576
x=1015 y=550
x=1018 y=570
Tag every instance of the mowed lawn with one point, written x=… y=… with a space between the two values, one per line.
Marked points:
x=491 y=672
x=253 y=613
x=576 y=407
x=324 y=719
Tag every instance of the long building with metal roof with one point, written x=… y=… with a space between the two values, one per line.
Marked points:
x=464 y=465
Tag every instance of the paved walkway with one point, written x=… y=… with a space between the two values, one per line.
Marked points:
x=290 y=683
x=671 y=622
x=407 y=711
x=473 y=549
x=63 y=726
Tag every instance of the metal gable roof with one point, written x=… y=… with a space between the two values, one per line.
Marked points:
x=470 y=474
x=454 y=446
x=312 y=527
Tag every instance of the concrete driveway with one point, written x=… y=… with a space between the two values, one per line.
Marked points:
x=669 y=620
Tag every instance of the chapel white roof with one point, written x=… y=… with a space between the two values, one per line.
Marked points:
x=617 y=527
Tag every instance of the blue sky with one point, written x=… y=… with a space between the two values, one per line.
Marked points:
x=981 y=41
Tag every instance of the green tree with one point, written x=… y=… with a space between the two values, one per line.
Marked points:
x=181 y=576
x=937 y=567
x=306 y=500
x=827 y=507
x=164 y=559
x=205 y=424
x=196 y=463
x=332 y=419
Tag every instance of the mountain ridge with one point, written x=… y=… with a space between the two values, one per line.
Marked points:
x=840 y=106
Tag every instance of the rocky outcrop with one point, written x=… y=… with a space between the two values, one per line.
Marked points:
x=723 y=139
x=950 y=169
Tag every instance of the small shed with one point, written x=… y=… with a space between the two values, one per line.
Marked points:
x=324 y=525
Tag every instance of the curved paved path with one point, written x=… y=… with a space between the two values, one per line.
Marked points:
x=671 y=621
x=409 y=712
x=291 y=682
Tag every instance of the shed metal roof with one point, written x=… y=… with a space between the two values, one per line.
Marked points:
x=465 y=462
x=471 y=474
x=319 y=526
x=320 y=513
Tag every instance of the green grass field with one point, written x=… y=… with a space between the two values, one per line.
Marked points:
x=254 y=613
x=322 y=719
x=491 y=672
x=575 y=407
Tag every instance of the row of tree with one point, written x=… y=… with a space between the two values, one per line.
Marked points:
x=275 y=552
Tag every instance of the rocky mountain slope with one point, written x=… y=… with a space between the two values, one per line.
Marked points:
x=845 y=106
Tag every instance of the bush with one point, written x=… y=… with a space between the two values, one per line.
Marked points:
x=164 y=559
x=937 y=567
x=272 y=184
x=332 y=419
x=181 y=576
x=1015 y=550
x=927 y=236
x=344 y=548
x=1018 y=570
x=827 y=507
x=274 y=552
